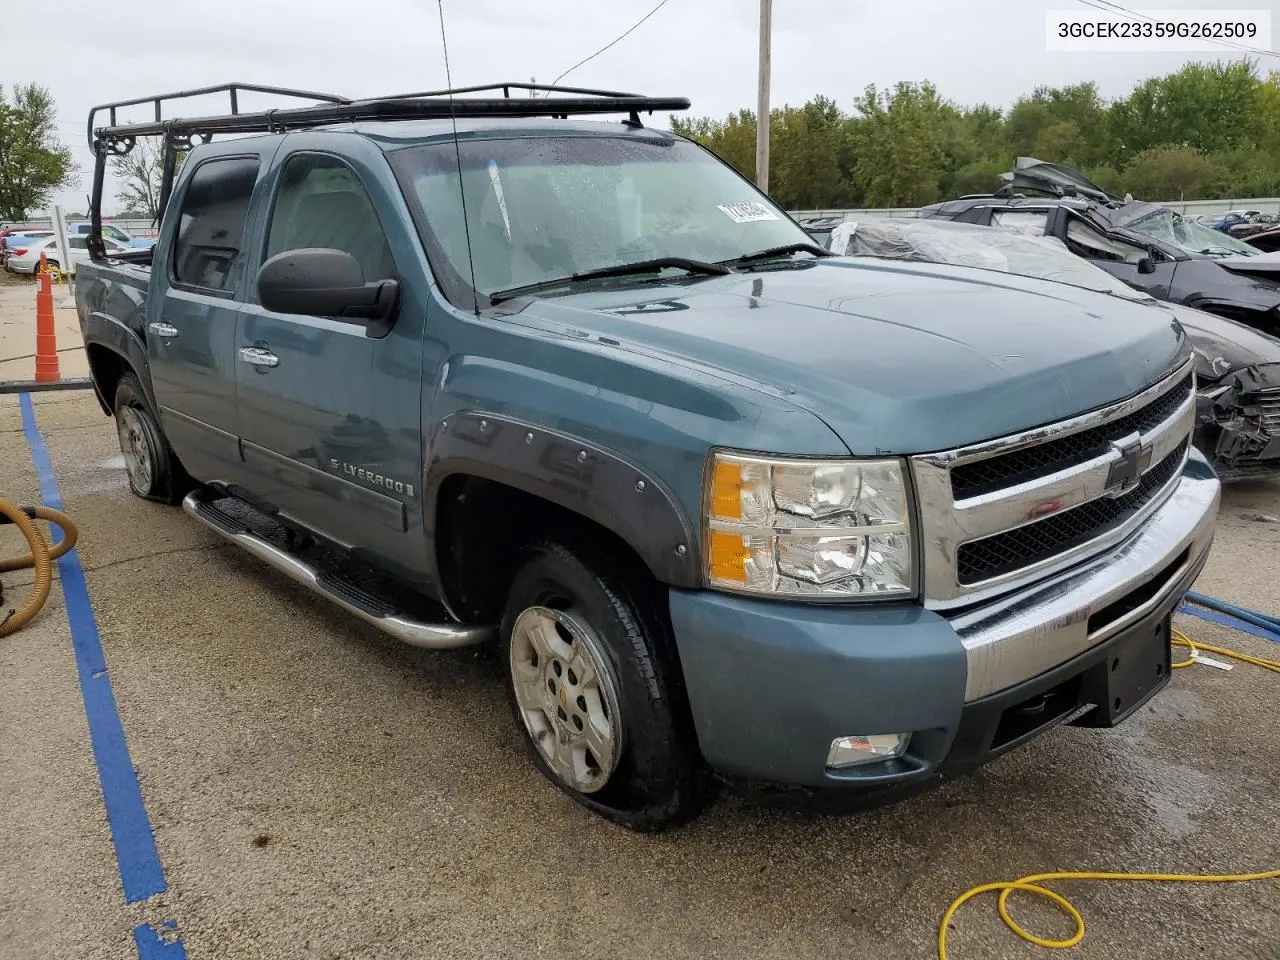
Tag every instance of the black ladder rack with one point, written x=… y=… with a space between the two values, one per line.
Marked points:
x=180 y=133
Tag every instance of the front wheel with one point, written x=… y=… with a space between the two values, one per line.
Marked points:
x=597 y=692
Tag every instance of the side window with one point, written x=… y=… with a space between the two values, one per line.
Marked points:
x=1084 y=241
x=78 y=243
x=320 y=202
x=1024 y=221
x=207 y=250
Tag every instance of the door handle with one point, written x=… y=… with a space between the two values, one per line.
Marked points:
x=162 y=329
x=258 y=357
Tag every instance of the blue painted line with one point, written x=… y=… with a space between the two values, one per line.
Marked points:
x=152 y=946
x=1221 y=618
x=139 y=861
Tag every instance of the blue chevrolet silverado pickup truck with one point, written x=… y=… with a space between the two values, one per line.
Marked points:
x=504 y=368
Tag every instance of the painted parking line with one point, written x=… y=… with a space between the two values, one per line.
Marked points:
x=141 y=874
x=1213 y=616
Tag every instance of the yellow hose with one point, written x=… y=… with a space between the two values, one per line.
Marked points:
x=41 y=557
x=1032 y=882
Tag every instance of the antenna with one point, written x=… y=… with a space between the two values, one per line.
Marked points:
x=457 y=152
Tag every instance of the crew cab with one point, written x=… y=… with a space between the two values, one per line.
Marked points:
x=483 y=369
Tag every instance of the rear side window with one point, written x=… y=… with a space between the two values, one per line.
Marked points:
x=208 y=249
x=1031 y=222
x=322 y=203
x=79 y=243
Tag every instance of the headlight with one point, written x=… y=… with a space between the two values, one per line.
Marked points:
x=810 y=529
x=1210 y=366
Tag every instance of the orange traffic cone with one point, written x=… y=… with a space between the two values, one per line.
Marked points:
x=46 y=337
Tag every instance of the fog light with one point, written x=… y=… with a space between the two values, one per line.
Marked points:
x=851 y=751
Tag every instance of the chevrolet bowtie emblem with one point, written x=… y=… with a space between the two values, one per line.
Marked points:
x=1126 y=472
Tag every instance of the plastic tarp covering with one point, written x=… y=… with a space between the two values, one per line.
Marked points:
x=964 y=245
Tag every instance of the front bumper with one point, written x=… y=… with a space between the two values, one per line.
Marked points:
x=772 y=684
x=1236 y=423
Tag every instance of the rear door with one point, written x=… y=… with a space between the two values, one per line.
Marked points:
x=191 y=326
x=330 y=416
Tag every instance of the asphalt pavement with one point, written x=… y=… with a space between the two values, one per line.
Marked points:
x=318 y=791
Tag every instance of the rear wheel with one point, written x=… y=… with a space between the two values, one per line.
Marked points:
x=154 y=472
x=597 y=691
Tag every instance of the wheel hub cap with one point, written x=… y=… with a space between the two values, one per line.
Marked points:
x=136 y=450
x=567 y=696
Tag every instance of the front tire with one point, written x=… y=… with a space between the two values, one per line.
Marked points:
x=153 y=470
x=597 y=691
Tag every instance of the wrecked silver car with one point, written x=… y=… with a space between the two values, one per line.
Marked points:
x=1237 y=367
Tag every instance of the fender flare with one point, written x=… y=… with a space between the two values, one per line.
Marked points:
x=104 y=330
x=575 y=474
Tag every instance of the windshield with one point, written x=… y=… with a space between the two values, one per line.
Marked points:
x=1004 y=249
x=544 y=208
x=1191 y=236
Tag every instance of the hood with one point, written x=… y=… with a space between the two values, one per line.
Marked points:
x=896 y=357
x=1213 y=336
x=1265 y=265
x=1032 y=174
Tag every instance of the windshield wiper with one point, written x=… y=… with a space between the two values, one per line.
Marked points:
x=656 y=265
x=783 y=251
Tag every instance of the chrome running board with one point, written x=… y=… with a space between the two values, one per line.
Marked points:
x=435 y=636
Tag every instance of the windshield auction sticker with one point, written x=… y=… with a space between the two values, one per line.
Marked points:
x=748 y=212
x=1127 y=31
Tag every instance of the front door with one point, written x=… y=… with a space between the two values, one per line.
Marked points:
x=330 y=416
x=1121 y=258
x=191 y=327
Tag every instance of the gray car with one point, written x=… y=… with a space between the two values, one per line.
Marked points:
x=1237 y=367
x=1150 y=247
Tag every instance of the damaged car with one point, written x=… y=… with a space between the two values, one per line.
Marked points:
x=1150 y=247
x=1237 y=367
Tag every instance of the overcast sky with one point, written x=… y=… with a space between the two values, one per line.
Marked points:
x=973 y=50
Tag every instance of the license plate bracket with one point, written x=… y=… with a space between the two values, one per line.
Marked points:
x=1135 y=668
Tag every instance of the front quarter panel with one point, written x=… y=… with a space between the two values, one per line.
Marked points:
x=603 y=422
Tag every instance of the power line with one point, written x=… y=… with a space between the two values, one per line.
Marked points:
x=1137 y=16
x=610 y=44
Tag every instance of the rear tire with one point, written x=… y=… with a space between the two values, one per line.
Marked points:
x=153 y=470
x=592 y=669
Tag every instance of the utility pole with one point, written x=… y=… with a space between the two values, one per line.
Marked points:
x=762 y=104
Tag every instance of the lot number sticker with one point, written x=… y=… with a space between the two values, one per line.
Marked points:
x=746 y=212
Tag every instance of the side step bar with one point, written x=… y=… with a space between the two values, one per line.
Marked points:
x=436 y=636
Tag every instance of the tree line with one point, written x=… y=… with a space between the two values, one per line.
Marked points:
x=1207 y=131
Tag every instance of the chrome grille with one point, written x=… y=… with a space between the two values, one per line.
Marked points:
x=1023 y=546
x=998 y=515
x=1029 y=463
x=1269 y=404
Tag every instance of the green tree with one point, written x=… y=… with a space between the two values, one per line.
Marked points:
x=33 y=163
x=1203 y=131
x=733 y=139
x=805 y=147
x=1171 y=173
x=899 y=143
x=1210 y=107
x=140 y=172
x=1060 y=124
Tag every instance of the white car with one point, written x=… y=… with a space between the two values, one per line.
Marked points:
x=27 y=259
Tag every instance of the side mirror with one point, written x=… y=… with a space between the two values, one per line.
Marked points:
x=321 y=282
x=1146 y=265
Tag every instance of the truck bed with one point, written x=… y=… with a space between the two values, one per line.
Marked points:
x=111 y=301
